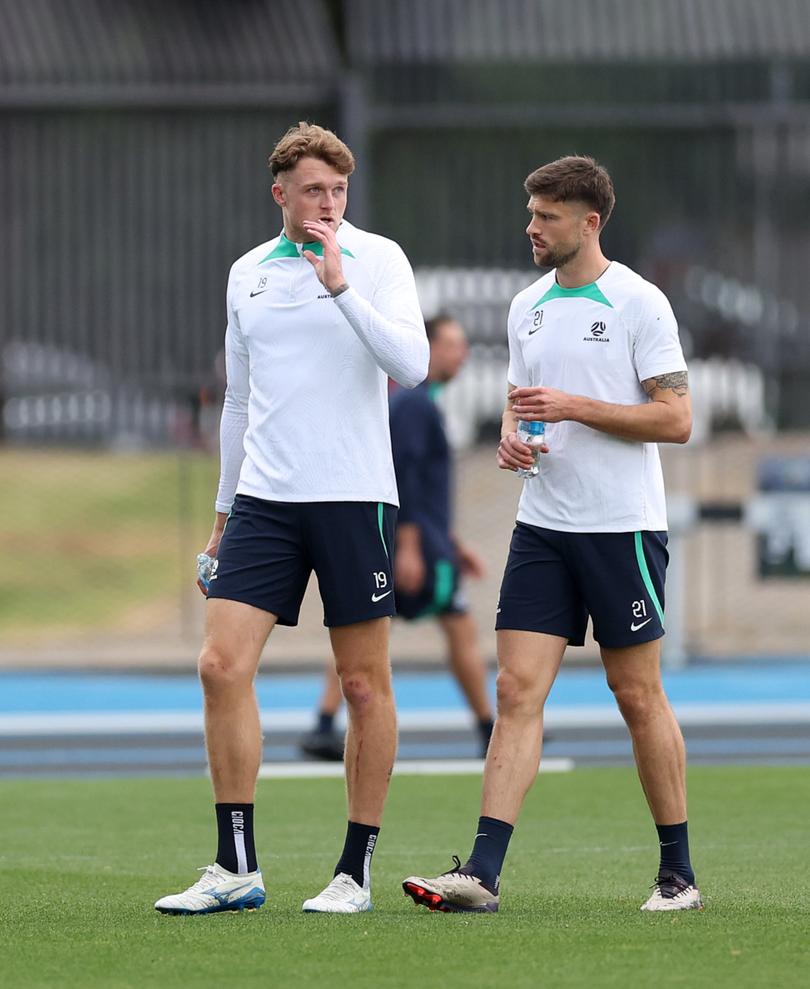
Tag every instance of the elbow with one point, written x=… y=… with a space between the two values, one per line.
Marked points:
x=416 y=373
x=409 y=380
x=682 y=430
x=236 y=402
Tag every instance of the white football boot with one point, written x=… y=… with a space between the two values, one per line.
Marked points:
x=342 y=895
x=671 y=892
x=216 y=890
x=452 y=892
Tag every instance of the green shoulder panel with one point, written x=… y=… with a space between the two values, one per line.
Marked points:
x=287 y=249
x=592 y=292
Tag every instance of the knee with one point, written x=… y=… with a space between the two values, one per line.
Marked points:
x=516 y=694
x=361 y=690
x=219 y=671
x=638 y=702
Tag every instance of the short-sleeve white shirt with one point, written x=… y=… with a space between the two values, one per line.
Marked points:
x=601 y=340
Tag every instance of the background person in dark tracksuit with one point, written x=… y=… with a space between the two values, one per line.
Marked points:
x=430 y=560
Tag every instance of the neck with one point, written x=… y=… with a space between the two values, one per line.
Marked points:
x=582 y=270
x=293 y=234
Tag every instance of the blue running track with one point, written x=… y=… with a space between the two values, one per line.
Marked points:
x=57 y=724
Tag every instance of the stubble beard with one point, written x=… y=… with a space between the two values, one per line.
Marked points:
x=556 y=257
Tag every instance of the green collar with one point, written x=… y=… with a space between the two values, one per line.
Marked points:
x=285 y=248
x=591 y=291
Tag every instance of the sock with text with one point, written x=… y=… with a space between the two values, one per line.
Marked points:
x=236 y=850
x=489 y=851
x=355 y=859
x=673 y=840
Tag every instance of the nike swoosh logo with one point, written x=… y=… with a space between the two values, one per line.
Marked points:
x=254 y=294
x=378 y=597
x=635 y=628
x=664 y=844
x=534 y=330
x=481 y=835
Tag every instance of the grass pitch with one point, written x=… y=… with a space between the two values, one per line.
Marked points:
x=83 y=862
x=97 y=536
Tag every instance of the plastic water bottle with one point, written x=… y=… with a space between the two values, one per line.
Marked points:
x=206 y=565
x=533 y=433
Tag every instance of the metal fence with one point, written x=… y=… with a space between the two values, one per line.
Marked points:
x=133 y=149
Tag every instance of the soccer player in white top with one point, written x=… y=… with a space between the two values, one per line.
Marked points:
x=594 y=354
x=318 y=318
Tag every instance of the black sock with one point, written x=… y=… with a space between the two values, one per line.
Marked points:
x=489 y=851
x=485 y=726
x=355 y=859
x=673 y=840
x=236 y=850
x=326 y=723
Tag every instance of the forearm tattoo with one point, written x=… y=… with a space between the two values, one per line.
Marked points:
x=678 y=381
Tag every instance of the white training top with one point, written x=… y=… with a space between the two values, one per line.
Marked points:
x=601 y=340
x=305 y=416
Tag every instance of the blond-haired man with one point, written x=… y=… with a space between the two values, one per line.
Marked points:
x=318 y=318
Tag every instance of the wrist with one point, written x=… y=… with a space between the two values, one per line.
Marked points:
x=508 y=426
x=408 y=536
x=338 y=289
x=578 y=409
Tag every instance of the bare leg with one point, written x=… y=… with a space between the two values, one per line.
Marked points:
x=361 y=654
x=235 y=635
x=634 y=676
x=527 y=665
x=466 y=662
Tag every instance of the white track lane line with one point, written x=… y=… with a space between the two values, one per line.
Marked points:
x=405 y=767
x=184 y=722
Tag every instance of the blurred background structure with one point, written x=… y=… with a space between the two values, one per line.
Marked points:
x=133 y=142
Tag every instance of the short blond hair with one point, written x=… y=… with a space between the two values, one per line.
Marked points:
x=310 y=141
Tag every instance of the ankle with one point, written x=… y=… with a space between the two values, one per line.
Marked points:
x=355 y=860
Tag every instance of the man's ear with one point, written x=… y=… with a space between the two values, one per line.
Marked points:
x=593 y=221
x=277 y=191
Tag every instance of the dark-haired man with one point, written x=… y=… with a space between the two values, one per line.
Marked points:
x=594 y=354
x=318 y=318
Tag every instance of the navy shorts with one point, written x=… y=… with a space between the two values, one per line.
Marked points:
x=440 y=595
x=270 y=548
x=554 y=580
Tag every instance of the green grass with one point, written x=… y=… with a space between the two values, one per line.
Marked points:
x=97 y=537
x=83 y=861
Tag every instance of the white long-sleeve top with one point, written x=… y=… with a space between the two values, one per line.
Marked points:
x=305 y=416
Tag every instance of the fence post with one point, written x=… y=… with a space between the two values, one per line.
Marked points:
x=682 y=514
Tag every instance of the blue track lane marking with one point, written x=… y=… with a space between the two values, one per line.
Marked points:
x=726 y=684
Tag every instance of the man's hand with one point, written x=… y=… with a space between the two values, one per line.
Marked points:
x=470 y=563
x=409 y=570
x=212 y=548
x=329 y=269
x=513 y=453
x=666 y=418
x=543 y=404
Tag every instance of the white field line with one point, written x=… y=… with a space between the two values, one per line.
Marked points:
x=185 y=722
x=405 y=767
